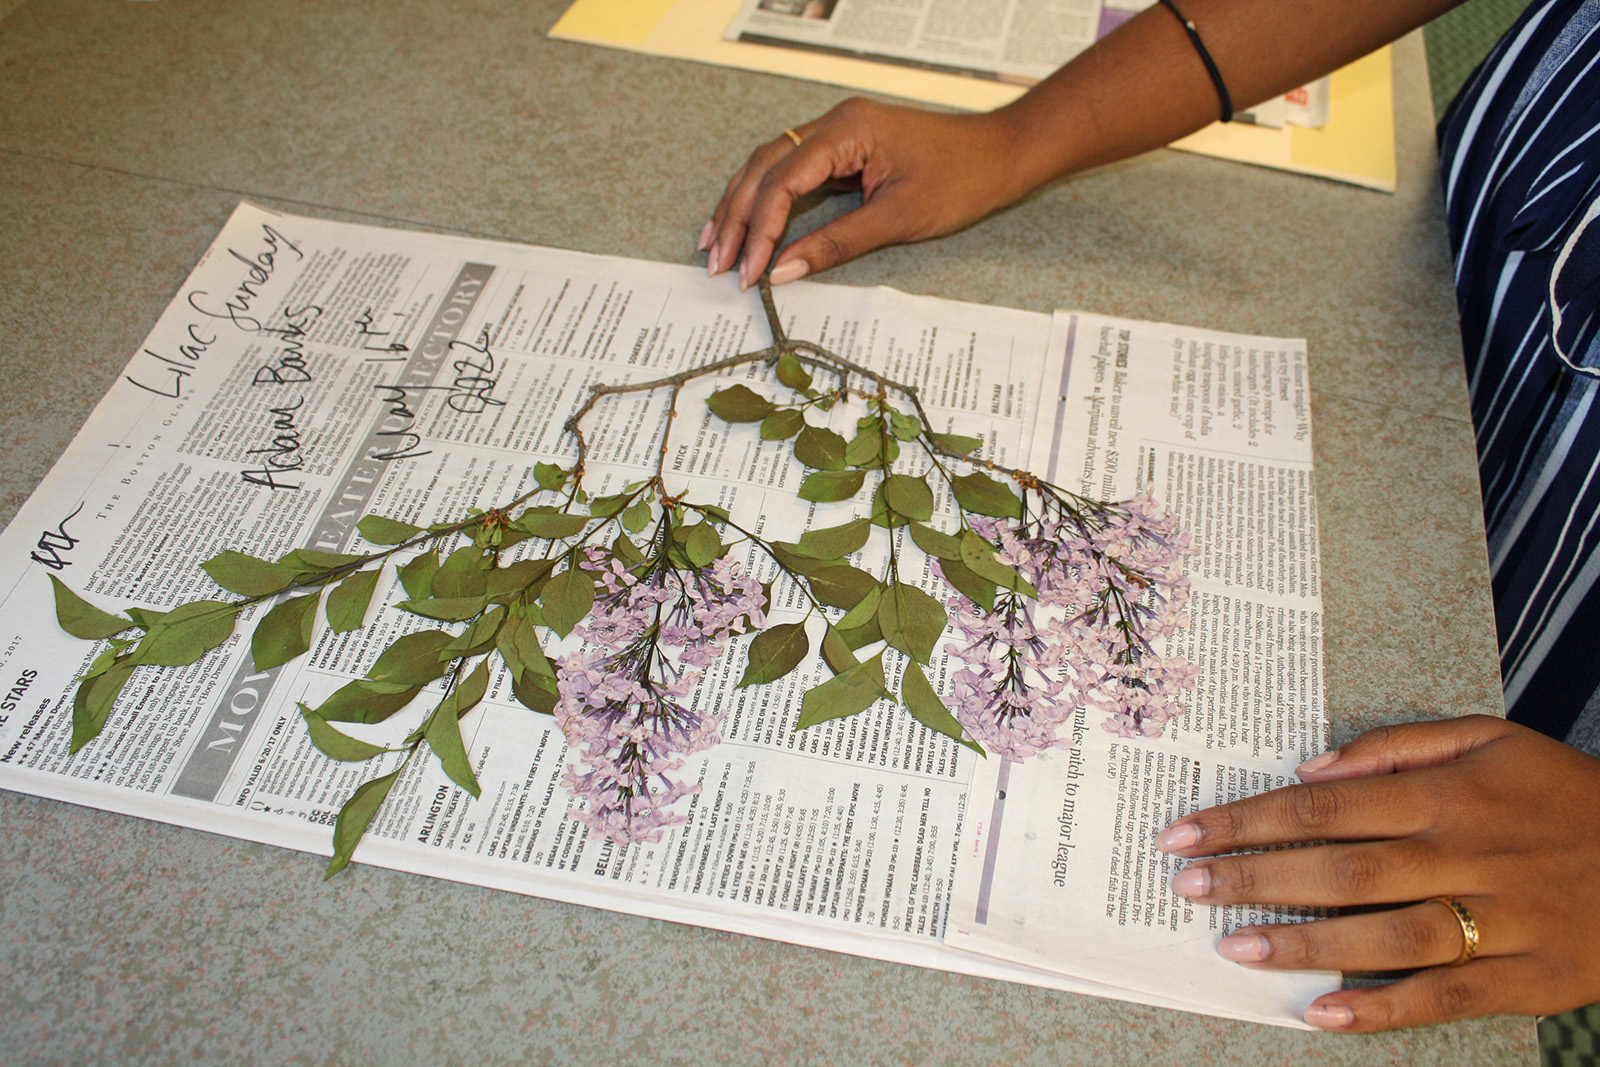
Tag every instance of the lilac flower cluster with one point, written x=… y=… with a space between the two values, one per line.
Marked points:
x=1110 y=583
x=624 y=703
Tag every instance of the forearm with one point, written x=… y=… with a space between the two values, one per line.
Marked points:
x=1145 y=85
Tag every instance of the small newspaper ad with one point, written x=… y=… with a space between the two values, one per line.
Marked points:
x=310 y=373
x=1019 y=42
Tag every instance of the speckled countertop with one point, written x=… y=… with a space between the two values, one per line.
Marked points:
x=129 y=130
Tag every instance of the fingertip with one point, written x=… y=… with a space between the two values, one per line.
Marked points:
x=789 y=271
x=1326 y=1015
x=706 y=233
x=1317 y=764
x=1177 y=837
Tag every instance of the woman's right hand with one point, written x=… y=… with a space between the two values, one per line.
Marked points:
x=921 y=174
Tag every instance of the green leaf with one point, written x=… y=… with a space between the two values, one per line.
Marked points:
x=92 y=702
x=701 y=544
x=567 y=598
x=789 y=556
x=836 y=651
x=443 y=729
x=882 y=514
x=820 y=448
x=978 y=590
x=626 y=551
x=935 y=543
x=549 y=476
x=981 y=494
x=866 y=610
x=385 y=531
x=604 y=507
x=978 y=557
x=843 y=695
x=106 y=658
x=828 y=486
x=335 y=745
x=905 y=427
x=356 y=816
x=841 y=585
x=479 y=636
x=348 y=601
x=536 y=692
x=417 y=576
x=464 y=573
x=364 y=700
x=859 y=637
x=314 y=561
x=792 y=372
x=774 y=652
x=835 y=542
x=782 y=424
x=866 y=447
x=637 y=517
x=186 y=633
x=144 y=619
x=413 y=659
x=738 y=403
x=549 y=523
x=247 y=575
x=446 y=608
x=285 y=633
x=525 y=575
x=82 y=619
x=960 y=444
x=909 y=496
x=911 y=620
x=518 y=642
x=925 y=706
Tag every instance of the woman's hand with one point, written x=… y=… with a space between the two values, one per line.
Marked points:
x=1503 y=819
x=921 y=174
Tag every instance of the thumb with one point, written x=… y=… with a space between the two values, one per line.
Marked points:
x=1390 y=749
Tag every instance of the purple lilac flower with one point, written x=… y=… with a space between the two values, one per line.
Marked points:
x=625 y=696
x=1110 y=584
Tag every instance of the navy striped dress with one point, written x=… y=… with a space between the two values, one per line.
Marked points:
x=1520 y=152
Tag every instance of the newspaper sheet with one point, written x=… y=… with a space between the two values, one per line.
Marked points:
x=1220 y=425
x=311 y=372
x=1017 y=41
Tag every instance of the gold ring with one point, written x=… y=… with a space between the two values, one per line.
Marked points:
x=795 y=137
x=1469 y=928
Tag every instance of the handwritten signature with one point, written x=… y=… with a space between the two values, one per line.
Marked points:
x=52 y=543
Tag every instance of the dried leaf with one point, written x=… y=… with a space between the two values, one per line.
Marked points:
x=828 y=486
x=701 y=544
x=782 y=424
x=536 y=692
x=385 y=531
x=464 y=573
x=911 y=620
x=82 y=619
x=549 y=476
x=909 y=496
x=905 y=427
x=841 y=585
x=364 y=700
x=638 y=516
x=935 y=543
x=792 y=372
x=820 y=448
x=923 y=702
x=446 y=608
x=285 y=633
x=977 y=492
x=836 y=651
x=835 y=542
x=413 y=659
x=91 y=704
x=960 y=444
x=567 y=598
x=335 y=745
x=978 y=590
x=443 y=728
x=348 y=601
x=845 y=694
x=549 y=523
x=863 y=612
x=356 y=816
x=186 y=633
x=774 y=652
x=417 y=576
x=739 y=403
x=606 y=506
x=247 y=575
x=978 y=556
x=866 y=447
x=314 y=561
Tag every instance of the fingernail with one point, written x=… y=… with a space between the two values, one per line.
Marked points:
x=705 y=236
x=1244 y=948
x=1317 y=763
x=1192 y=882
x=793 y=270
x=1179 y=837
x=711 y=261
x=1329 y=1016
x=744 y=275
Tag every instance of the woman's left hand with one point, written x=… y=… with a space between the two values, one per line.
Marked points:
x=1503 y=819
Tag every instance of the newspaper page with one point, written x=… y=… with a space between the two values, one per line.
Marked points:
x=310 y=373
x=1219 y=424
x=1017 y=41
